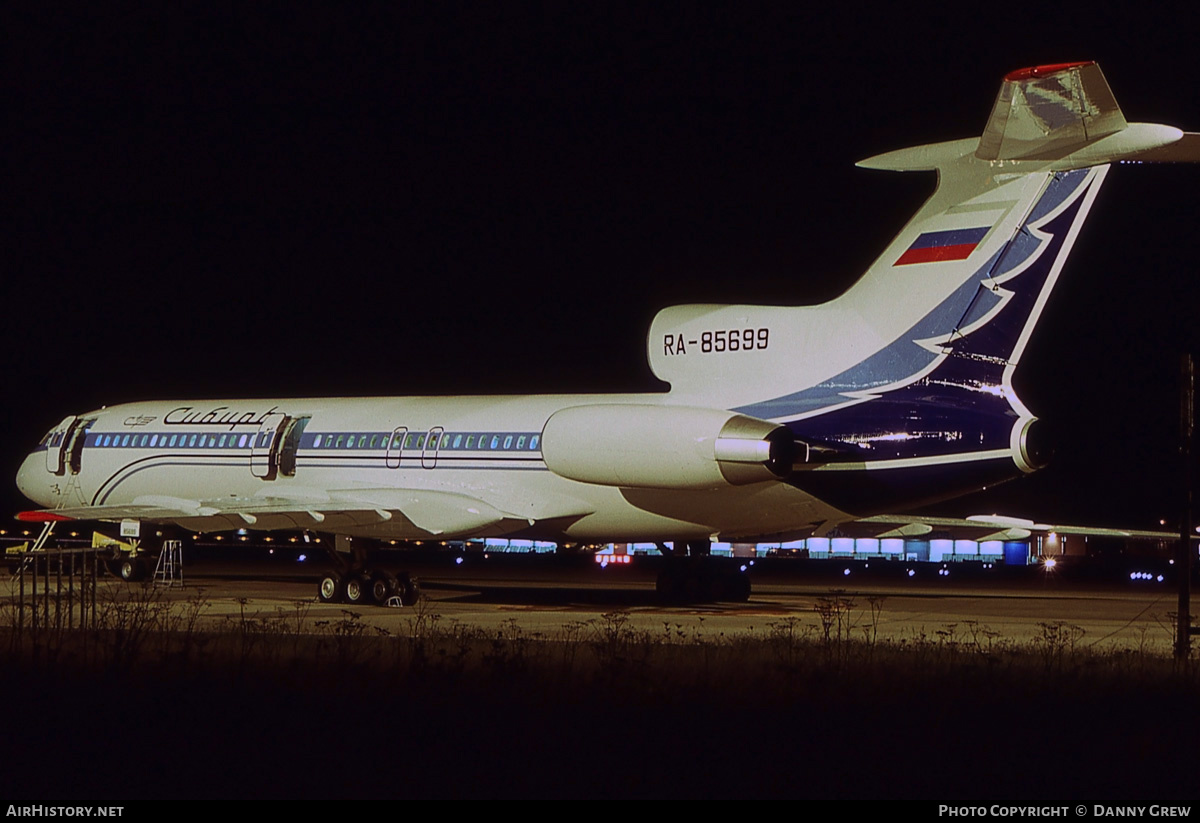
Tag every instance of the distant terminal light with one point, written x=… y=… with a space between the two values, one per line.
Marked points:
x=607 y=559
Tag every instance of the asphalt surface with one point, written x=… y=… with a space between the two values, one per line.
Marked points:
x=543 y=594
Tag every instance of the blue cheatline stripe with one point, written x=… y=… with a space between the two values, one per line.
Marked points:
x=950 y=237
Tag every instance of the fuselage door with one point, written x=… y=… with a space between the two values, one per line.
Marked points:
x=56 y=447
x=289 y=444
x=395 y=447
x=264 y=451
x=74 y=442
x=432 y=442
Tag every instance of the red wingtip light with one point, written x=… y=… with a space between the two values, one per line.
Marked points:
x=42 y=517
x=1042 y=71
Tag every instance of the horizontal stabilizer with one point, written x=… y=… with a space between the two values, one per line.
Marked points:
x=1048 y=111
x=1184 y=150
x=986 y=527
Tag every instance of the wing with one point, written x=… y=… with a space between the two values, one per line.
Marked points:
x=983 y=527
x=396 y=513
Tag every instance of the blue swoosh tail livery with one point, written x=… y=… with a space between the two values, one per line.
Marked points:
x=779 y=422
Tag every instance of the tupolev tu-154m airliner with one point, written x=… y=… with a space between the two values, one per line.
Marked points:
x=780 y=422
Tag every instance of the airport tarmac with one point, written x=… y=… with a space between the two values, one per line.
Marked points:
x=542 y=596
x=726 y=721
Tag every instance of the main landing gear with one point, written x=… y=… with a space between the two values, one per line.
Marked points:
x=696 y=577
x=354 y=581
x=378 y=587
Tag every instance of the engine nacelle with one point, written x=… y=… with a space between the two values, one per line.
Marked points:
x=665 y=447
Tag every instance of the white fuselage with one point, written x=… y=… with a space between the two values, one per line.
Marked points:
x=488 y=449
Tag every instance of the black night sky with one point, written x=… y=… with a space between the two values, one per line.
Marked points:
x=293 y=199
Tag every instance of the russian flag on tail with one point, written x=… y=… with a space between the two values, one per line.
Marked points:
x=938 y=246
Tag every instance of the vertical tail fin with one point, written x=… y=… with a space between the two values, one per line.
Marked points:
x=912 y=366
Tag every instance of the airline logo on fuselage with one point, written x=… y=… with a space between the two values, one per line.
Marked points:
x=220 y=416
x=940 y=246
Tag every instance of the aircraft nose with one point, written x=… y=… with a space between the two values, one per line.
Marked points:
x=31 y=477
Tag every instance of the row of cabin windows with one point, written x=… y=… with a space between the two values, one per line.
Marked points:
x=485 y=441
x=472 y=441
x=180 y=441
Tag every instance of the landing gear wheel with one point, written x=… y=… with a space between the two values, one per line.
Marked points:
x=353 y=590
x=713 y=587
x=130 y=570
x=327 y=589
x=408 y=590
x=382 y=587
x=739 y=588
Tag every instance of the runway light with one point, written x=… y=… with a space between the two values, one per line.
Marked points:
x=845 y=571
x=742 y=567
x=911 y=572
x=1160 y=578
x=458 y=561
x=302 y=558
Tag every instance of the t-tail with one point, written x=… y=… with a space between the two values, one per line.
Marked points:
x=908 y=375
